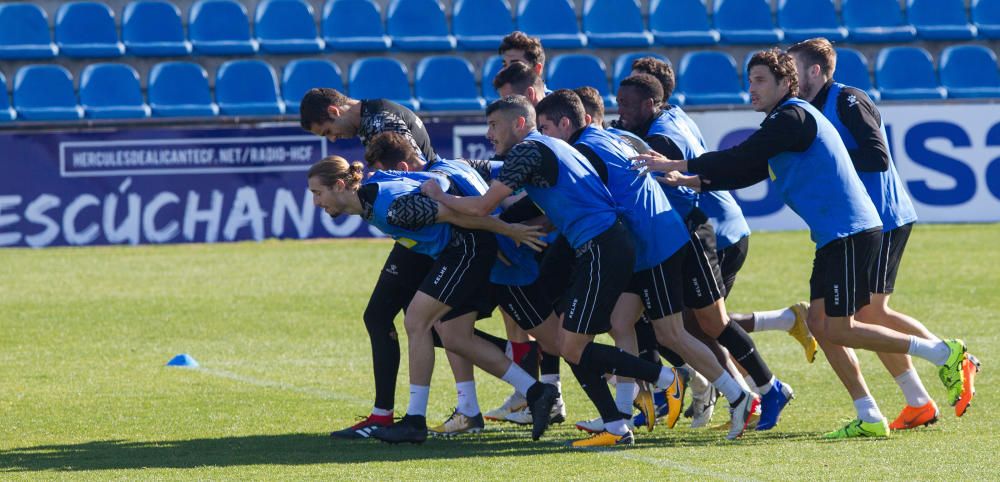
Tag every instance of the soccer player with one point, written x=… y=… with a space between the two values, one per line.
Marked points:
x=859 y=124
x=463 y=254
x=809 y=165
x=659 y=284
x=670 y=130
x=567 y=188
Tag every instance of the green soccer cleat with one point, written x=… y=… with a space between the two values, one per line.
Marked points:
x=951 y=372
x=857 y=428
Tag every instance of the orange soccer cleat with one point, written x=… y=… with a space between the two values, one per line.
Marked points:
x=970 y=366
x=913 y=417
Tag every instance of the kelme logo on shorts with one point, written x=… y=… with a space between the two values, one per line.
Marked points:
x=437 y=279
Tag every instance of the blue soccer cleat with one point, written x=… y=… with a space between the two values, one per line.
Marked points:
x=772 y=403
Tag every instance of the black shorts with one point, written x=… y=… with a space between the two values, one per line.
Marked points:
x=883 y=275
x=601 y=271
x=731 y=260
x=460 y=275
x=660 y=287
x=841 y=272
x=404 y=270
x=555 y=270
x=702 y=276
x=529 y=306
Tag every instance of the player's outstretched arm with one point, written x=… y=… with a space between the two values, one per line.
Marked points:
x=520 y=233
x=654 y=161
x=469 y=205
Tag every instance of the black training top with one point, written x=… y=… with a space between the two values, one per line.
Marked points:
x=381 y=115
x=858 y=114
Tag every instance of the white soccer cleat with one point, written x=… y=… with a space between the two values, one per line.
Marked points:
x=596 y=425
x=703 y=406
x=523 y=416
x=513 y=403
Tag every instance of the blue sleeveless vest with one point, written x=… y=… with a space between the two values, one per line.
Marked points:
x=657 y=230
x=884 y=188
x=821 y=185
x=429 y=240
x=579 y=204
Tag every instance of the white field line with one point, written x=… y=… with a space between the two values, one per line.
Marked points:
x=331 y=395
x=315 y=392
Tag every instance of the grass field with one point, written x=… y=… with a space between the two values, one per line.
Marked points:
x=276 y=326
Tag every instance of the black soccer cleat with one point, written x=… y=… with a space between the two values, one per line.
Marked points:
x=411 y=428
x=541 y=397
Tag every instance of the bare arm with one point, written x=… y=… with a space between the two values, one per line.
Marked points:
x=520 y=233
x=469 y=205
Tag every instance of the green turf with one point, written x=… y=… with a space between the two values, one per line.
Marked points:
x=85 y=333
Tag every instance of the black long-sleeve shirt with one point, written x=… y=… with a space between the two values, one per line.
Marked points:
x=787 y=128
x=862 y=119
x=381 y=115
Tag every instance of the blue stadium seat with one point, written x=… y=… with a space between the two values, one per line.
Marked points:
x=111 y=91
x=490 y=70
x=381 y=77
x=45 y=92
x=286 y=27
x=907 y=73
x=746 y=22
x=986 y=18
x=969 y=71
x=481 y=24
x=806 y=19
x=681 y=22
x=710 y=77
x=87 y=29
x=354 y=25
x=24 y=32
x=570 y=71
x=852 y=70
x=418 y=25
x=623 y=65
x=615 y=23
x=152 y=28
x=7 y=113
x=304 y=74
x=447 y=83
x=940 y=19
x=552 y=21
x=220 y=27
x=180 y=89
x=247 y=87
x=876 y=21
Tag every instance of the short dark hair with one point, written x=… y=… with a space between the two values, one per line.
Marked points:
x=781 y=65
x=314 y=105
x=532 y=46
x=563 y=103
x=389 y=148
x=519 y=76
x=513 y=105
x=593 y=103
x=659 y=69
x=647 y=85
x=817 y=51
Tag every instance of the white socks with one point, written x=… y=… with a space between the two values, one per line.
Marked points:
x=762 y=389
x=468 y=402
x=775 y=320
x=418 y=400
x=934 y=351
x=518 y=378
x=624 y=396
x=913 y=389
x=552 y=380
x=868 y=411
x=381 y=413
x=729 y=387
x=665 y=379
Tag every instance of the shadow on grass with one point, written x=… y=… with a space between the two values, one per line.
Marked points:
x=281 y=449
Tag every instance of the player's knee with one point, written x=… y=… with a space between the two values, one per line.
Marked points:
x=571 y=351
